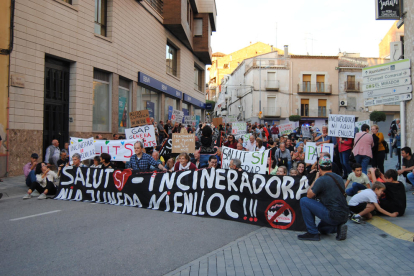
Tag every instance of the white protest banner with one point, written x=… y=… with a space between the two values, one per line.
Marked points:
x=245 y=137
x=144 y=133
x=341 y=125
x=312 y=151
x=190 y=120
x=238 y=128
x=359 y=124
x=120 y=150
x=85 y=147
x=177 y=116
x=286 y=129
x=306 y=131
x=252 y=161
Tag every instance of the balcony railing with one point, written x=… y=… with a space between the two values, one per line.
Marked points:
x=352 y=86
x=157 y=5
x=320 y=87
x=272 y=85
x=272 y=111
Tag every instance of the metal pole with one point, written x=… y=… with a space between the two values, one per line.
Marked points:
x=402 y=123
x=260 y=87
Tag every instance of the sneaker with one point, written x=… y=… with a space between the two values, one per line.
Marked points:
x=42 y=196
x=341 y=232
x=27 y=196
x=35 y=193
x=356 y=219
x=309 y=237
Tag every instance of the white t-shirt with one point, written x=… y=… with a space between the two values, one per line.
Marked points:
x=366 y=195
x=261 y=149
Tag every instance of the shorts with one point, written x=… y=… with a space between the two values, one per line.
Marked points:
x=358 y=208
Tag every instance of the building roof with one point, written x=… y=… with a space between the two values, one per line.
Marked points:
x=351 y=62
x=218 y=54
x=314 y=57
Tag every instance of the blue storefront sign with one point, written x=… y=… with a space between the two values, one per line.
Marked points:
x=193 y=101
x=150 y=108
x=209 y=106
x=170 y=111
x=147 y=81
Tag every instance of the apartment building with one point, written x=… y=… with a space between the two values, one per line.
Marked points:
x=78 y=67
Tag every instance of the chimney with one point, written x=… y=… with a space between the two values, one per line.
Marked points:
x=286 y=51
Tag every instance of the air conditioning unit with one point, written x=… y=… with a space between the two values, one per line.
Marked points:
x=343 y=103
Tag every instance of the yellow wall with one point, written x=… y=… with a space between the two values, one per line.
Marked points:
x=392 y=35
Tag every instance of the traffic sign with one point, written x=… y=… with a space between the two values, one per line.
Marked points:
x=387 y=76
x=388 y=91
x=386 y=83
x=389 y=99
x=386 y=67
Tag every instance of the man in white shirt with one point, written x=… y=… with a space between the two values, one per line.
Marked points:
x=52 y=154
x=251 y=144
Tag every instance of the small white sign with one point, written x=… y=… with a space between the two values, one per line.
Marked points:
x=238 y=128
x=387 y=76
x=312 y=151
x=85 y=147
x=177 y=116
x=144 y=133
x=359 y=124
x=388 y=91
x=386 y=83
x=389 y=99
x=386 y=67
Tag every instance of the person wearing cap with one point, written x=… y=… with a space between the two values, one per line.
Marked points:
x=331 y=207
x=29 y=169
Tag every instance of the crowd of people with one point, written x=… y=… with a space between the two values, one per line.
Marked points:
x=370 y=189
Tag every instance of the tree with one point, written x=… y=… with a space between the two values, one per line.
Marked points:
x=294 y=118
x=377 y=116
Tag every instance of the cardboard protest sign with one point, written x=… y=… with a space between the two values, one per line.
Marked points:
x=238 y=128
x=306 y=131
x=312 y=151
x=262 y=200
x=183 y=143
x=177 y=116
x=286 y=129
x=252 y=161
x=218 y=121
x=359 y=124
x=144 y=133
x=85 y=147
x=139 y=118
x=341 y=125
x=120 y=150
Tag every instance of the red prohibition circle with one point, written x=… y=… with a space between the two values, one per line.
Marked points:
x=280 y=211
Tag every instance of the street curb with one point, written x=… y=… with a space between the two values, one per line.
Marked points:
x=391 y=229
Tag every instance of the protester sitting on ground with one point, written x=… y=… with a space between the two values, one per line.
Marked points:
x=52 y=154
x=106 y=161
x=76 y=162
x=231 y=142
x=363 y=203
x=29 y=169
x=394 y=199
x=293 y=172
x=63 y=159
x=283 y=157
x=44 y=182
x=212 y=161
x=196 y=159
x=184 y=163
x=235 y=164
x=301 y=167
x=290 y=146
x=335 y=168
x=332 y=208
x=358 y=179
x=156 y=155
x=169 y=165
x=218 y=155
x=374 y=175
x=142 y=161
x=281 y=171
x=96 y=162
x=407 y=163
x=259 y=145
x=299 y=155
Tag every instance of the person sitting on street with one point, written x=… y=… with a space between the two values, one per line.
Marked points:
x=96 y=162
x=281 y=171
x=142 y=161
x=44 y=182
x=394 y=199
x=76 y=162
x=196 y=159
x=212 y=161
x=363 y=203
x=106 y=161
x=184 y=163
x=156 y=155
x=301 y=167
x=407 y=163
x=169 y=165
x=52 y=154
x=29 y=169
x=235 y=164
x=358 y=179
x=283 y=157
x=374 y=175
x=293 y=172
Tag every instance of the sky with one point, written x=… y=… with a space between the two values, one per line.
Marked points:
x=307 y=26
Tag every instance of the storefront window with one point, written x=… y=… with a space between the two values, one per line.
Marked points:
x=101 y=102
x=170 y=104
x=124 y=106
x=185 y=109
x=151 y=101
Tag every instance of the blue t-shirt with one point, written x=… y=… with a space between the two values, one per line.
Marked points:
x=324 y=139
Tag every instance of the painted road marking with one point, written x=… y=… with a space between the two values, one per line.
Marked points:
x=32 y=216
x=392 y=229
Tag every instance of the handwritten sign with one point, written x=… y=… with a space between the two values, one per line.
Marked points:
x=341 y=125
x=252 y=161
x=230 y=119
x=312 y=151
x=183 y=143
x=139 y=118
x=177 y=116
x=217 y=121
x=245 y=137
x=190 y=120
x=306 y=131
x=120 y=150
x=238 y=128
x=144 y=133
x=286 y=129
x=359 y=124
x=84 y=147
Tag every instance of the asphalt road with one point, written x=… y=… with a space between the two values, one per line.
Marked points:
x=54 y=237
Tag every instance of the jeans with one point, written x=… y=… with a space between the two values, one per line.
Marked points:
x=378 y=160
x=345 y=161
x=311 y=208
x=289 y=166
x=364 y=161
x=161 y=138
x=355 y=188
x=410 y=177
x=30 y=178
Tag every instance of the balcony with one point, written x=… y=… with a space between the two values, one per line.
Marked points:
x=272 y=112
x=272 y=85
x=315 y=89
x=202 y=47
x=352 y=86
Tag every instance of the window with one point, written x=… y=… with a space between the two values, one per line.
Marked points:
x=321 y=108
x=169 y=106
x=226 y=66
x=320 y=83
x=171 y=58
x=306 y=83
x=101 y=102
x=350 y=85
x=198 y=27
x=185 y=109
x=151 y=102
x=123 y=104
x=157 y=5
x=100 y=17
x=198 y=79
x=304 y=107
